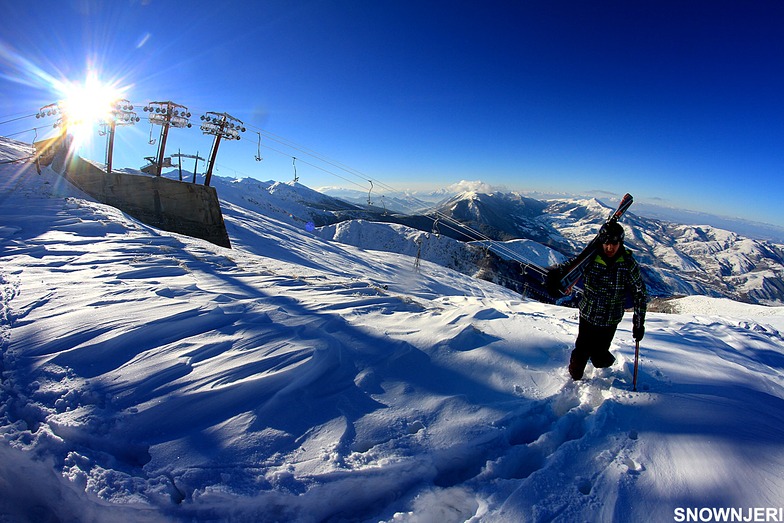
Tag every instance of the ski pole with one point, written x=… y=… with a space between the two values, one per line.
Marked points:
x=636 y=363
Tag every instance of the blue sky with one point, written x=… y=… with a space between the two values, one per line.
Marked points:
x=678 y=102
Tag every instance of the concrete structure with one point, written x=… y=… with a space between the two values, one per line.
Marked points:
x=171 y=205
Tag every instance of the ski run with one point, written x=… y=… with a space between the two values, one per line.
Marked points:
x=152 y=377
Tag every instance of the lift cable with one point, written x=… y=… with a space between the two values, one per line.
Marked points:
x=16 y=119
x=445 y=220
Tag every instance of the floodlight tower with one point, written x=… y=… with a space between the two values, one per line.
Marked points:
x=54 y=109
x=221 y=125
x=166 y=114
x=122 y=113
x=49 y=148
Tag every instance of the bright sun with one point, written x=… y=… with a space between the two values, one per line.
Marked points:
x=85 y=105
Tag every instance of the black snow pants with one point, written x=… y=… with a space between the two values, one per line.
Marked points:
x=593 y=342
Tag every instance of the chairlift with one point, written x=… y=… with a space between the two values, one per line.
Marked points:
x=258 y=149
x=294 y=164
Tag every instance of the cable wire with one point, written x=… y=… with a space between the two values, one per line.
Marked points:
x=448 y=222
x=16 y=119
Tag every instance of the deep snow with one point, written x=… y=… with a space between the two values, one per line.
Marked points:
x=148 y=376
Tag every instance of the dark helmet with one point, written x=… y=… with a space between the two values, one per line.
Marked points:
x=612 y=233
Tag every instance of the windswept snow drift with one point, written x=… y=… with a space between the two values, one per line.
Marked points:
x=148 y=376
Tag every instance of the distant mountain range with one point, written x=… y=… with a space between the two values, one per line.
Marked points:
x=473 y=232
x=418 y=201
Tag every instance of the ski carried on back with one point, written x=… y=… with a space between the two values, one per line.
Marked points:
x=556 y=281
x=563 y=277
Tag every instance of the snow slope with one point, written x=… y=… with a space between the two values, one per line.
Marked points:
x=148 y=376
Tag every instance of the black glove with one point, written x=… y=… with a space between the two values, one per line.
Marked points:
x=553 y=281
x=638 y=327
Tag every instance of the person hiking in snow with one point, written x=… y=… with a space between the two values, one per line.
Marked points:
x=607 y=280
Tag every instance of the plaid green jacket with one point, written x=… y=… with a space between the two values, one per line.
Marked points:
x=606 y=284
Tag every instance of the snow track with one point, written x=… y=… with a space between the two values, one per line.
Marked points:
x=152 y=377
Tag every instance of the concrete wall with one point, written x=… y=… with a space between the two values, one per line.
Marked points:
x=171 y=205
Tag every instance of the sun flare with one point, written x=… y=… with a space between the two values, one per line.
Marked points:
x=86 y=104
